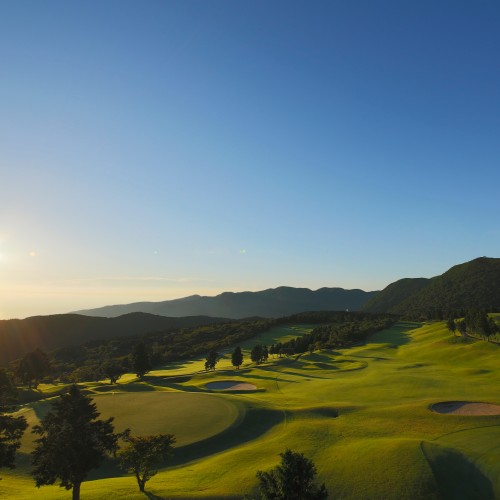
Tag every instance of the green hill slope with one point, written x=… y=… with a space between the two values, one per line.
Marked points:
x=391 y=296
x=472 y=285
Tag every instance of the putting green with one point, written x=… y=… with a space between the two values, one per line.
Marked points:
x=191 y=417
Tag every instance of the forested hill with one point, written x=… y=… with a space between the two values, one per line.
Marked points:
x=472 y=285
x=19 y=336
x=395 y=293
x=271 y=303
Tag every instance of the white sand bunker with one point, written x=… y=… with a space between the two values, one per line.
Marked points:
x=230 y=385
x=465 y=408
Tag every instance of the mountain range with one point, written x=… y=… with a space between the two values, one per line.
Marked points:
x=271 y=303
x=471 y=285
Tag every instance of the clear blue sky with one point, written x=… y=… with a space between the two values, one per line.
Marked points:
x=155 y=149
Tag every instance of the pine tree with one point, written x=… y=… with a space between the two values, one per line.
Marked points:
x=292 y=479
x=237 y=357
x=141 y=363
x=72 y=442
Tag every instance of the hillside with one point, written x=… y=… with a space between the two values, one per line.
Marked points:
x=271 y=303
x=472 y=285
x=394 y=294
x=19 y=336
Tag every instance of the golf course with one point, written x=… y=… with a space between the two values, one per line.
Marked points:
x=412 y=413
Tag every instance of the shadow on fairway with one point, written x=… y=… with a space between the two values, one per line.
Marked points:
x=456 y=476
x=255 y=423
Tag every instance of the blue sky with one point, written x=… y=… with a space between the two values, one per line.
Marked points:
x=152 y=150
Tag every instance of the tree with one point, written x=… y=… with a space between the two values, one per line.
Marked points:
x=11 y=432
x=256 y=354
x=292 y=479
x=462 y=328
x=141 y=363
x=237 y=357
x=144 y=455
x=451 y=325
x=72 y=442
x=8 y=391
x=113 y=369
x=211 y=360
x=33 y=367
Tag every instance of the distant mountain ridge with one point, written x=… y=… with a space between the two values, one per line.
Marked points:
x=271 y=303
x=471 y=285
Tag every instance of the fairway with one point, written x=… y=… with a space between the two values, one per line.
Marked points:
x=363 y=414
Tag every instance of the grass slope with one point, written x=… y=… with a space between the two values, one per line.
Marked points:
x=361 y=414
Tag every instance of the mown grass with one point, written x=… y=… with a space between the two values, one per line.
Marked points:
x=361 y=414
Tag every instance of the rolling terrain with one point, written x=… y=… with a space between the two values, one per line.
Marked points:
x=362 y=414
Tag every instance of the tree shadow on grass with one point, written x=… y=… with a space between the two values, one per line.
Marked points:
x=255 y=423
x=152 y=496
x=456 y=476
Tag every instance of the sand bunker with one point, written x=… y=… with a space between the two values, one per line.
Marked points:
x=465 y=408
x=230 y=385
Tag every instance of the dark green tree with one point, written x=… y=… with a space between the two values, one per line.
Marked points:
x=451 y=325
x=211 y=360
x=8 y=390
x=292 y=479
x=11 y=432
x=256 y=354
x=141 y=363
x=237 y=357
x=462 y=327
x=72 y=442
x=113 y=369
x=144 y=454
x=33 y=367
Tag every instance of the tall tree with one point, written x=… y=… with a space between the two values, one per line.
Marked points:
x=237 y=357
x=33 y=367
x=256 y=354
x=8 y=390
x=451 y=325
x=11 y=432
x=141 y=364
x=113 y=369
x=144 y=454
x=72 y=442
x=292 y=479
x=211 y=360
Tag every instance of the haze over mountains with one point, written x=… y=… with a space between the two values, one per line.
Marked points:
x=472 y=285
x=271 y=303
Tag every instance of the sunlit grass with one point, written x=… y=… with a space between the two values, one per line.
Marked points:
x=362 y=414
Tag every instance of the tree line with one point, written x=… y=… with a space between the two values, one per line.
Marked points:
x=474 y=323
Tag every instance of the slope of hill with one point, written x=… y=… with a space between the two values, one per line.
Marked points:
x=472 y=285
x=395 y=293
x=271 y=303
x=19 y=336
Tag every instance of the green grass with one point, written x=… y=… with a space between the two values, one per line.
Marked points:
x=361 y=414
